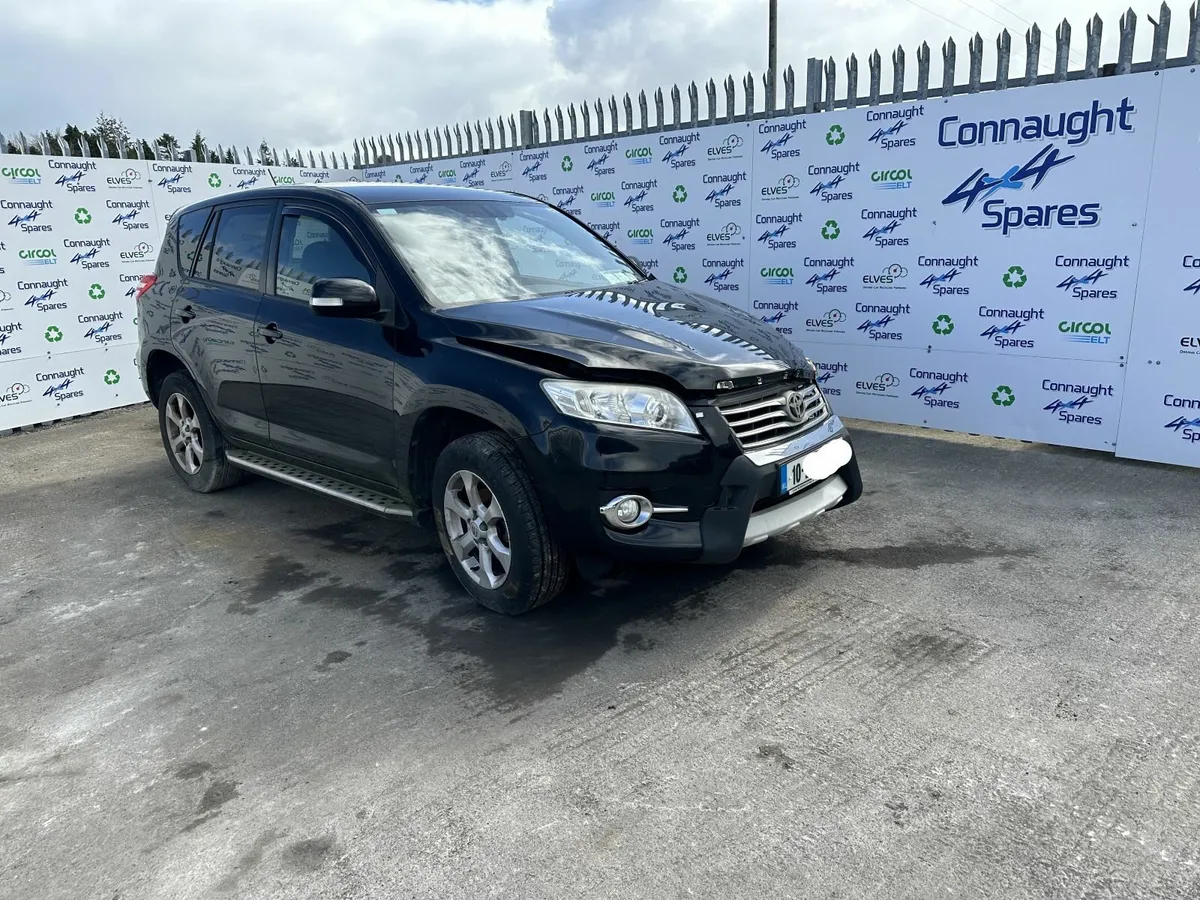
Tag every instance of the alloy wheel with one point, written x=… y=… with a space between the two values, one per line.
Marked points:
x=183 y=434
x=477 y=529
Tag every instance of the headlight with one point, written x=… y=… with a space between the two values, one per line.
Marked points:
x=621 y=404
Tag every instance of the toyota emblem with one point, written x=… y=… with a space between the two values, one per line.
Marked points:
x=793 y=405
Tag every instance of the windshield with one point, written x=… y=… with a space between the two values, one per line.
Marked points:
x=477 y=251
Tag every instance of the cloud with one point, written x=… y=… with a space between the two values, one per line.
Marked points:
x=315 y=74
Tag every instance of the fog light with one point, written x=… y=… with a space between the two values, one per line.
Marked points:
x=627 y=512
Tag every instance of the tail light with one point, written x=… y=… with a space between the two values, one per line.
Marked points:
x=144 y=285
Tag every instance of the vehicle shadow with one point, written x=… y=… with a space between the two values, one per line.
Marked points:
x=520 y=660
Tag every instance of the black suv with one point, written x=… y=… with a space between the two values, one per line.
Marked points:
x=484 y=363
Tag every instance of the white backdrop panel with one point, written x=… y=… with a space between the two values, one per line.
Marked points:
x=1161 y=419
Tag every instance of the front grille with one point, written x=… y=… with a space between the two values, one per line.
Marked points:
x=764 y=421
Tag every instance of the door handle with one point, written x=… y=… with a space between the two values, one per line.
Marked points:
x=270 y=333
x=186 y=314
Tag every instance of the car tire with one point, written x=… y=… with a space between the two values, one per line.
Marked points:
x=193 y=441
x=484 y=502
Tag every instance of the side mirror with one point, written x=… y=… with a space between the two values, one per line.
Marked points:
x=345 y=297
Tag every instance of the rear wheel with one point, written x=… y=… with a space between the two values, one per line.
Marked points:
x=492 y=527
x=192 y=439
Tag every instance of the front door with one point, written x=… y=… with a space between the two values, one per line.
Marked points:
x=215 y=308
x=326 y=382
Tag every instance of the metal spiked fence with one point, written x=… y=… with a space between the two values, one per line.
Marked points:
x=821 y=92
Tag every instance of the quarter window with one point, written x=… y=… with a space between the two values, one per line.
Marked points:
x=191 y=227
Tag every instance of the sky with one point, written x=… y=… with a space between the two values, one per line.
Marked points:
x=315 y=74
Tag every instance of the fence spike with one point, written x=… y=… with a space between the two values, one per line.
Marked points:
x=676 y=106
x=534 y=137
x=693 y=104
x=1095 y=31
x=898 y=74
x=237 y=159
x=458 y=139
x=549 y=127
x=830 y=84
x=730 y=97
x=748 y=86
x=491 y=133
x=572 y=119
x=249 y=157
x=1128 y=26
x=479 y=136
x=924 y=56
x=1003 y=58
x=612 y=109
x=852 y=82
x=312 y=160
x=274 y=155
x=345 y=162
x=512 y=128
x=710 y=92
x=768 y=95
x=789 y=91
x=504 y=144
x=4 y=144
x=627 y=102
x=1062 y=50
x=558 y=117
x=875 y=66
x=643 y=112
x=949 y=53
x=975 y=70
x=324 y=164
x=599 y=116
x=446 y=131
x=587 y=119
x=1033 y=50
x=1193 y=46
x=812 y=84
x=374 y=157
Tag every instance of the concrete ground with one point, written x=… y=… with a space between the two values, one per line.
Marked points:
x=979 y=681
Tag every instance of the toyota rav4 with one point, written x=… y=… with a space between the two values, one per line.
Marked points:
x=486 y=365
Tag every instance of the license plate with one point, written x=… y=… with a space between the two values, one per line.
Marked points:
x=792 y=477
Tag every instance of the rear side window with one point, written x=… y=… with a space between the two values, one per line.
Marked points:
x=191 y=227
x=239 y=246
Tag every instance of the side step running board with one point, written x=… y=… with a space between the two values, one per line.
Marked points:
x=322 y=484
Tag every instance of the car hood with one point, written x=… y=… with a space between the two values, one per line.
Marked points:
x=651 y=326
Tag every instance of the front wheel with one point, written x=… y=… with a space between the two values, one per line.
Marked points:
x=492 y=527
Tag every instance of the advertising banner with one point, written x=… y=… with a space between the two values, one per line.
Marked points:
x=1161 y=418
x=1014 y=262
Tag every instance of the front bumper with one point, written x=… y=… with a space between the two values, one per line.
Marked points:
x=733 y=499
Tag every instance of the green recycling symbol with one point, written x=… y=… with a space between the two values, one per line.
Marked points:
x=679 y=194
x=943 y=324
x=111 y=377
x=82 y=216
x=567 y=165
x=835 y=135
x=214 y=180
x=680 y=275
x=1015 y=277
x=53 y=335
x=1004 y=396
x=830 y=230
x=96 y=292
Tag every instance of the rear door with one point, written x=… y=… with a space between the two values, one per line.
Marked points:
x=214 y=315
x=327 y=382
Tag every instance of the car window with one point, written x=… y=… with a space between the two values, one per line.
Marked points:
x=240 y=246
x=191 y=227
x=480 y=251
x=538 y=252
x=311 y=248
